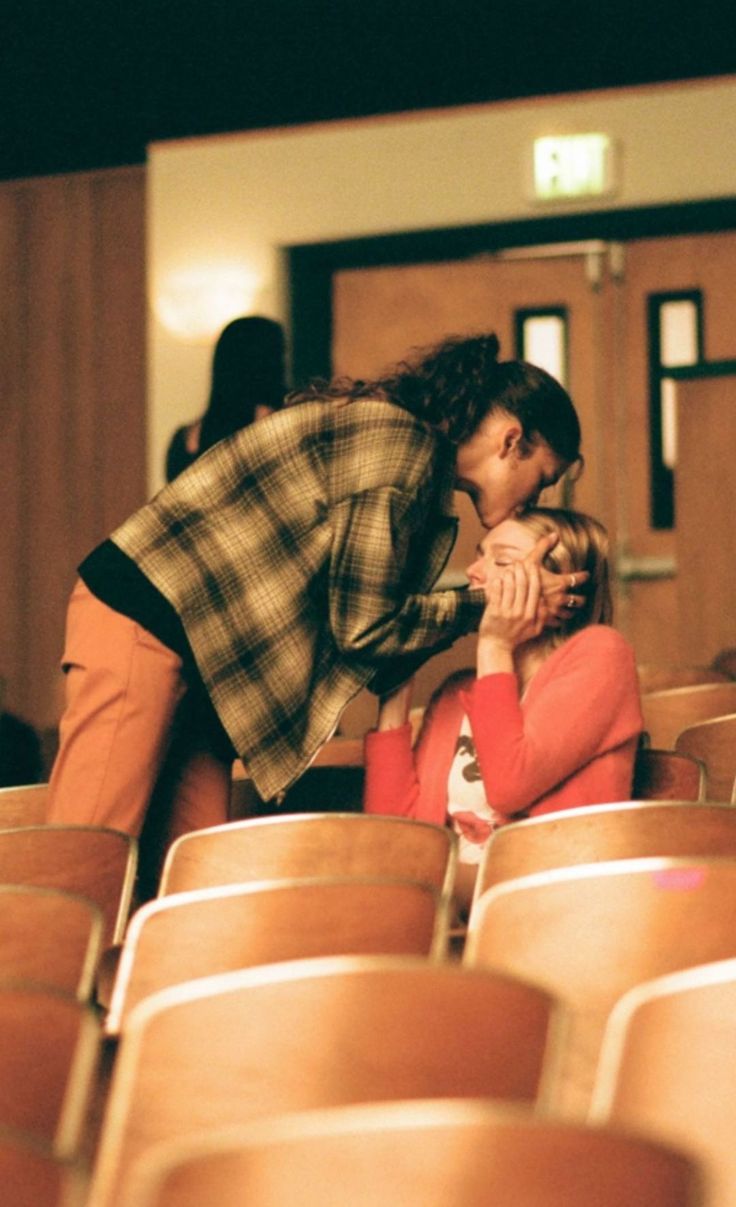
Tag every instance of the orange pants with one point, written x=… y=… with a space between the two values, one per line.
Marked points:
x=122 y=727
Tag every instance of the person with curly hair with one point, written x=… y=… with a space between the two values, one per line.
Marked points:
x=551 y=717
x=289 y=567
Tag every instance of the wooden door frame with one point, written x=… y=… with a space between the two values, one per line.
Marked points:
x=311 y=267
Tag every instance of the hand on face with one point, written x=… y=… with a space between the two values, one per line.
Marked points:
x=559 y=600
x=515 y=611
x=514 y=592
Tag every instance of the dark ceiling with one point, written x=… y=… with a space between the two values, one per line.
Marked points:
x=89 y=84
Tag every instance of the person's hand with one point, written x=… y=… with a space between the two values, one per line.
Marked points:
x=560 y=592
x=515 y=610
x=393 y=710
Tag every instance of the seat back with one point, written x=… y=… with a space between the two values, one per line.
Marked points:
x=313 y=1033
x=92 y=861
x=714 y=743
x=667 y=775
x=49 y=937
x=48 y=1059
x=593 y=833
x=655 y=677
x=667 y=1068
x=209 y=931
x=589 y=933
x=418 y=1154
x=23 y=806
x=667 y=713
x=31 y=1175
x=318 y=844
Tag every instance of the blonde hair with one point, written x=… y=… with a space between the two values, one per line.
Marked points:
x=582 y=545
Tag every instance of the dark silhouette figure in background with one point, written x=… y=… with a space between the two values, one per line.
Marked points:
x=248 y=382
x=21 y=760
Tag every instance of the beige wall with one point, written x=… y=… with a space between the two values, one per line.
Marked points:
x=242 y=198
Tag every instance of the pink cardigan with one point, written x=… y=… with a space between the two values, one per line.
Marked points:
x=571 y=741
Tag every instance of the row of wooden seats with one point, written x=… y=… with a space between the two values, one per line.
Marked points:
x=200 y=1069
x=275 y=826
x=279 y=847
x=111 y=926
x=292 y=1036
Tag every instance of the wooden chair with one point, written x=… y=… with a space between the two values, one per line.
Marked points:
x=667 y=713
x=209 y=931
x=49 y=937
x=656 y=677
x=49 y=1048
x=667 y=1068
x=312 y=1033
x=316 y=844
x=714 y=743
x=594 y=833
x=31 y=1175
x=588 y=934
x=667 y=775
x=93 y=861
x=24 y=806
x=428 y=1153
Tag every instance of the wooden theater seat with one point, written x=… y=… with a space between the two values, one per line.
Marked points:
x=248 y=1045
x=714 y=743
x=428 y=1153
x=667 y=1069
x=209 y=931
x=597 y=833
x=590 y=933
x=92 y=861
x=50 y=938
x=312 y=844
x=667 y=713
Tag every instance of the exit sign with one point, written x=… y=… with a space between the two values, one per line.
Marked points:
x=572 y=165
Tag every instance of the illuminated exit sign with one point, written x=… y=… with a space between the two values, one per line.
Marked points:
x=573 y=165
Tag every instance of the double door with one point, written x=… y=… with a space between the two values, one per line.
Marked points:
x=608 y=319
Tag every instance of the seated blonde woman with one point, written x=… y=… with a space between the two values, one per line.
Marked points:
x=550 y=720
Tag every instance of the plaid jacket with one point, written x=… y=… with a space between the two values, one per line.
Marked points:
x=300 y=554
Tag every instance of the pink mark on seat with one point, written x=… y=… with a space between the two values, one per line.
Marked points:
x=680 y=878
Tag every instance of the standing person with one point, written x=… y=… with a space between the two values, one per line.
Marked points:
x=248 y=383
x=550 y=720
x=287 y=568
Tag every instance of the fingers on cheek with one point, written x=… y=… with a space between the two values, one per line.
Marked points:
x=494 y=592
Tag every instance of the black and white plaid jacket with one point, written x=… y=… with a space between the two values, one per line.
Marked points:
x=300 y=554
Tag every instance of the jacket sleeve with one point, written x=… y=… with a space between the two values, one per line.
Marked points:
x=372 y=610
x=588 y=706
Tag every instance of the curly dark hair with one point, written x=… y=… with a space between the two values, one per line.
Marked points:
x=454 y=385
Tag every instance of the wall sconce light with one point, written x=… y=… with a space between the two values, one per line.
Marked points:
x=195 y=303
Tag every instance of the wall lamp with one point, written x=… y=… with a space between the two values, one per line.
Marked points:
x=195 y=303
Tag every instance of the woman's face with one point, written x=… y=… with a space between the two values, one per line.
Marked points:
x=500 y=475
x=510 y=541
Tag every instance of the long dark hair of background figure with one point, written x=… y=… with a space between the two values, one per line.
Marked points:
x=248 y=382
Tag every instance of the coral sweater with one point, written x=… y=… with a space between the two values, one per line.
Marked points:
x=571 y=740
